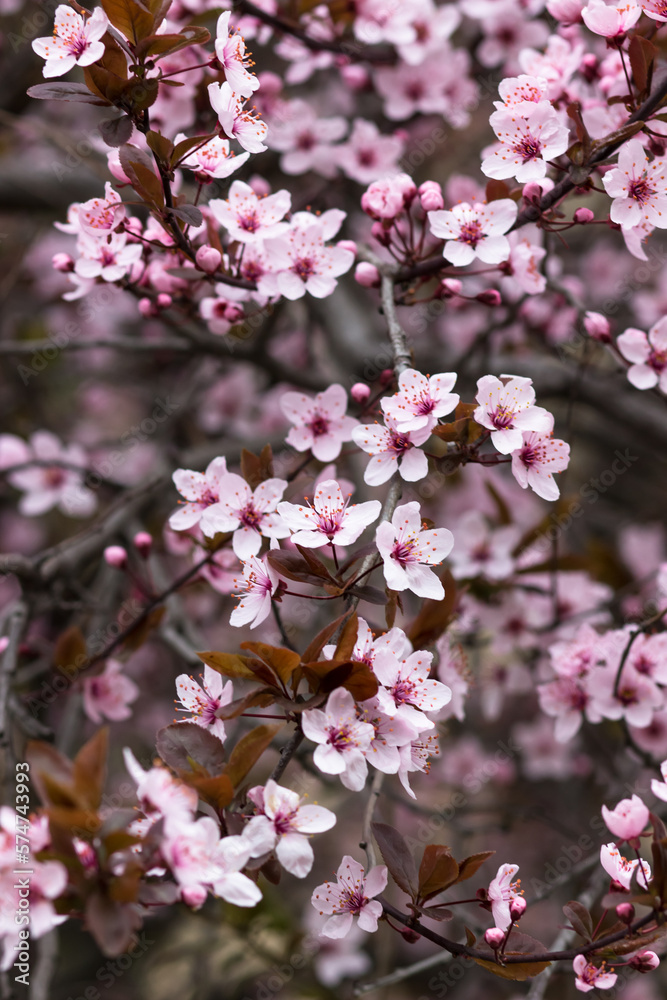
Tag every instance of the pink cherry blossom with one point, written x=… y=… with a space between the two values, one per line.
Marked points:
x=351 y=897
x=416 y=756
x=47 y=881
x=526 y=143
x=259 y=584
x=407 y=551
x=302 y=261
x=305 y=139
x=410 y=686
x=229 y=856
x=283 y=825
x=519 y=92
x=569 y=700
x=610 y=19
x=657 y=9
x=474 y=231
x=391 y=733
x=100 y=216
x=536 y=461
x=648 y=354
x=659 y=788
x=480 y=550
x=46 y=486
x=628 y=820
x=203 y=701
x=248 y=218
x=236 y=122
x=250 y=515
x=75 y=41
x=368 y=155
x=160 y=794
x=213 y=159
x=388 y=445
x=638 y=187
x=109 y=694
x=591 y=976
x=110 y=258
x=508 y=409
x=202 y=492
x=621 y=870
x=231 y=52
x=421 y=401
x=501 y=892
x=343 y=740
x=330 y=520
x=320 y=423
x=188 y=851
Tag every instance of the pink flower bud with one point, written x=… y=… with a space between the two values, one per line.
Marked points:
x=430 y=196
x=356 y=76
x=494 y=937
x=597 y=327
x=367 y=275
x=645 y=961
x=381 y=234
x=383 y=199
x=194 y=896
x=490 y=297
x=628 y=820
x=410 y=936
x=259 y=185
x=517 y=907
x=233 y=312
x=386 y=377
x=208 y=259
x=116 y=556
x=147 y=308
x=347 y=245
x=589 y=67
x=360 y=392
x=625 y=912
x=407 y=186
x=143 y=543
x=62 y=262
x=566 y=11
x=584 y=215
x=163 y=300
x=532 y=192
x=450 y=287
x=4 y=642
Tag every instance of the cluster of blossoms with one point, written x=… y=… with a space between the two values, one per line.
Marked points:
x=614 y=675
x=210 y=251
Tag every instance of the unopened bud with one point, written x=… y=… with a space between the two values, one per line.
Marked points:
x=116 y=556
x=62 y=262
x=625 y=912
x=430 y=196
x=494 y=937
x=532 y=192
x=163 y=300
x=233 y=313
x=208 y=259
x=450 y=287
x=517 y=907
x=360 y=392
x=645 y=961
x=194 y=896
x=348 y=245
x=386 y=376
x=356 y=77
x=147 y=308
x=597 y=327
x=584 y=215
x=367 y=275
x=379 y=233
x=143 y=543
x=490 y=297
x=410 y=936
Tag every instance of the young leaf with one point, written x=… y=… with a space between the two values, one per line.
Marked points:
x=255 y=699
x=189 y=214
x=469 y=866
x=228 y=664
x=316 y=646
x=519 y=945
x=282 y=661
x=183 y=744
x=438 y=870
x=434 y=616
x=580 y=919
x=89 y=768
x=248 y=750
x=77 y=92
x=116 y=131
x=397 y=857
x=131 y=18
x=348 y=638
x=256 y=469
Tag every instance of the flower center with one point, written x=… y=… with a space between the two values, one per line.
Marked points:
x=640 y=190
x=250 y=517
x=502 y=417
x=657 y=360
x=304 y=267
x=529 y=148
x=249 y=222
x=471 y=233
x=319 y=425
